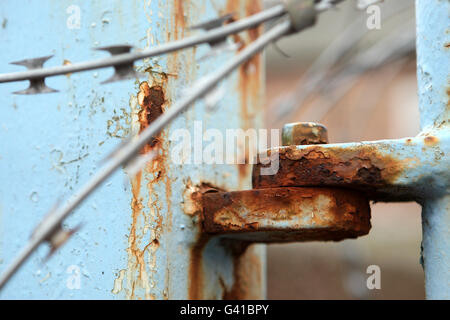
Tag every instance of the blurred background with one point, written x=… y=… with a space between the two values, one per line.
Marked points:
x=361 y=84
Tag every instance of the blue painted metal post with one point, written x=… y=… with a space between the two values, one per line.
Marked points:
x=433 y=66
x=141 y=238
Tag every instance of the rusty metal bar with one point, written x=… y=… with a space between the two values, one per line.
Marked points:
x=389 y=170
x=287 y=214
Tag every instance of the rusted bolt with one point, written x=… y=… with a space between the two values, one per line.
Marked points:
x=303 y=133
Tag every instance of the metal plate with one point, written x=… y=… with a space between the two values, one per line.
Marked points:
x=287 y=214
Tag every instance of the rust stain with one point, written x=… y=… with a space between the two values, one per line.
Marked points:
x=305 y=133
x=192 y=196
x=448 y=97
x=152 y=207
x=151 y=101
x=247 y=284
x=363 y=167
x=247 y=270
x=447 y=45
x=249 y=84
x=193 y=206
x=182 y=65
x=176 y=27
x=67 y=63
x=247 y=266
x=196 y=280
x=291 y=214
x=136 y=262
x=179 y=18
x=141 y=257
x=431 y=141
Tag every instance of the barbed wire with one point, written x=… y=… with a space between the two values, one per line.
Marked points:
x=123 y=60
x=120 y=58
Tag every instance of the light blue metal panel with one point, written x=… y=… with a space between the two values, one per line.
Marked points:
x=52 y=143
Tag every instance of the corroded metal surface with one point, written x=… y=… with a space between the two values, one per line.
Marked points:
x=287 y=214
x=384 y=170
x=231 y=269
x=304 y=133
x=168 y=256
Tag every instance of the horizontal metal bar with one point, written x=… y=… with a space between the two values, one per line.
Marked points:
x=287 y=214
x=388 y=170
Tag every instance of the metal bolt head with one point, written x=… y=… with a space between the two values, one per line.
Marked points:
x=303 y=133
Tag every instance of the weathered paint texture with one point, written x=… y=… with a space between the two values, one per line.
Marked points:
x=249 y=82
x=247 y=279
x=141 y=235
x=287 y=214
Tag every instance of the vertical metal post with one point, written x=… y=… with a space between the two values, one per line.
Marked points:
x=436 y=247
x=433 y=66
x=141 y=237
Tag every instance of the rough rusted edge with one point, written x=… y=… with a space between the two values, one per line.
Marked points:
x=362 y=167
x=287 y=214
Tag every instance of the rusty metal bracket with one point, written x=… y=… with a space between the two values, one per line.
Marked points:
x=280 y=213
x=287 y=214
x=388 y=170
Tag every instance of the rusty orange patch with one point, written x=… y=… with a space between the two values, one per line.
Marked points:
x=313 y=214
x=364 y=168
x=151 y=101
x=249 y=84
x=431 y=141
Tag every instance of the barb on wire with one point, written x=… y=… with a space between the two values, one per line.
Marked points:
x=37 y=85
x=213 y=24
x=49 y=229
x=121 y=71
